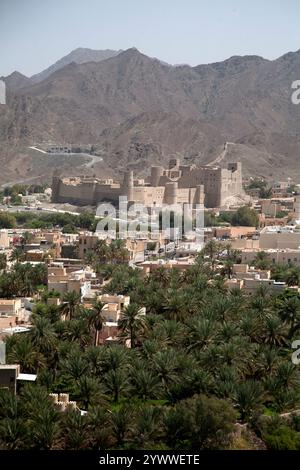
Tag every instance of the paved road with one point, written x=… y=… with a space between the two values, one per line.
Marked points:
x=36 y=210
x=93 y=158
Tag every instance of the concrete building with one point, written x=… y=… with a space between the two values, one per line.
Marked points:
x=10 y=307
x=283 y=256
x=62 y=281
x=296 y=208
x=177 y=184
x=4 y=239
x=277 y=238
x=114 y=305
x=87 y=242
x=10 y=375
x=180 y=264
x=250 y=279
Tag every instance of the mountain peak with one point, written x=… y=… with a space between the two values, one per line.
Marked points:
x=80 y=55
x=16 y=80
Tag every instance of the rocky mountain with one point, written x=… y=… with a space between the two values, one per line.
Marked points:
x=16 y=80
x=80 y=55
x=136 y=111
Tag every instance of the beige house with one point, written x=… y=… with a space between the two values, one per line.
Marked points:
x=180 y=264
x=59 y=279
x=250 y=279
x=287 y=237
x=275 y=256
x=4 y=239
x=10 y=307
x=114 y=305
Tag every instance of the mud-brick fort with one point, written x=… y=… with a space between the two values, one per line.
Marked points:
x=178 y=184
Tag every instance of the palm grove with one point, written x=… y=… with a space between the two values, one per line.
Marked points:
x=202 y=360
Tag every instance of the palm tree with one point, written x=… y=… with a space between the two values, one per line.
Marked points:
x=89 y=391
x=289 y=312
x=286 y=376
x=96 y=319
x=12 y=425
x=114 y=357
x=268 y=359
x=24 y=353
x=13 y=432
x=118 y=251
x=213 y=250
x=116 y=383
x=43 y=335
x=176 y=426
x=17 y=255
x=248 y=397
x=175 y=305
x=121 y=423
x=75 y=366
x=102 y=251
x=78 y=330
x=98 y=428
x=262 y=260
x=200 y=332
x=75 y=430
x=44 y=428
x=161 y=276
x=146 y=425
x=132 y=323
x=292 y=278
x=71 y=301
x=145 y=383
x=274 y=332
x=165 y=366
x=251 y=327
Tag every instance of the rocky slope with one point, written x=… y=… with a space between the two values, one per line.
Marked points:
x=137 y=111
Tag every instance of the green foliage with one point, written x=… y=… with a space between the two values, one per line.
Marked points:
x=202 y=359
x=7 y=220
x=245 y=216
x=85 y=220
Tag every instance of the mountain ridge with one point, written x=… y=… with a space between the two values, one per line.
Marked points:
x=136 y=110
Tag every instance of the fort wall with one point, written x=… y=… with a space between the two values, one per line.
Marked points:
x=177 y=184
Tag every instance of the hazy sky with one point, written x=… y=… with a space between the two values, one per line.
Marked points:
x=35 y=33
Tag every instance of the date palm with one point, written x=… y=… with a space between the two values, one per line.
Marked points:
x=274 y=332
x=145 y=383
x=289 y=312
x=132 y=323
x=75 y=430
x=24 y=353
x=113 y=357
x=78 y=330
x=200 y=333
x=116 y=383
x=74 y=366
x=146 y=427
x=248 y=397
x=165 y=366
x=71 y=301
x=96 y=319
x=121 y=423
x=89 y=391
x=98 y=429
x=43 y=335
